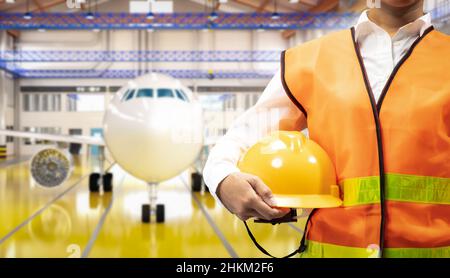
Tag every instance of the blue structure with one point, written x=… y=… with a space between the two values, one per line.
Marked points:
x=129 y=74
x=138 y=56
x=190 y=21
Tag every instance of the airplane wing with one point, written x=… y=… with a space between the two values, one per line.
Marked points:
x=76 y=139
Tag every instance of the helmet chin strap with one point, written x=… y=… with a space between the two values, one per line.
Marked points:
x=290 y=217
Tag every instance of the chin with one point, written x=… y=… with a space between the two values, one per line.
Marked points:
x=400 y=3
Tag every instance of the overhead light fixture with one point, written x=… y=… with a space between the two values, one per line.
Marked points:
x=150 y=15
x=90 y=16
x=10 y=1
x=150 y=30
x=293 y=1
x=27 y=16
x=41 y=30
x=213 y=16
x=96 y=30
x=275 y=14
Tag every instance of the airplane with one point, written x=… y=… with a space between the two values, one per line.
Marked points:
x=153 y=128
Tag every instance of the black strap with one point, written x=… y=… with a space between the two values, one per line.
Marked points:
x=300 y=249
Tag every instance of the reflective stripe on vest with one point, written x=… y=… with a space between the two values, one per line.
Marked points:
x=318 y=250
x=407 y=188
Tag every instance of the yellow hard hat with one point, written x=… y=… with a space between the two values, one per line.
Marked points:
x=296 y=169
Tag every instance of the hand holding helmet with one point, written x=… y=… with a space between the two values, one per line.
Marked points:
x=247 y=196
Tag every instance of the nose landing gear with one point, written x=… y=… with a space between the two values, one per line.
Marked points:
x=157 y=210
x=197 y=182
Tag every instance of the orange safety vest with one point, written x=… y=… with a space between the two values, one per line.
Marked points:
x=392 y=157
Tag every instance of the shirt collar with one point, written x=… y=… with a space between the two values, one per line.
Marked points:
x=365 y=26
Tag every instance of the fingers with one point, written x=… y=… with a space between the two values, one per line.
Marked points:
x=263 y=191
x=247 y=196
x=266 y=211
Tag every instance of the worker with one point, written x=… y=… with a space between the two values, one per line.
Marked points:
x=376 y=98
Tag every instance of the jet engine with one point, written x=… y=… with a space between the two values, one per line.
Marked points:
x=50 y=167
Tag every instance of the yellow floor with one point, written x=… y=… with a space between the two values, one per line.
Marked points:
x=68 y=221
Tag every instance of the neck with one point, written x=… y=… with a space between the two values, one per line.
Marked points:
x=393 y=18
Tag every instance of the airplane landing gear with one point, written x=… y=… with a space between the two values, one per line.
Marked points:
x=95 y=180
x=197 y=182
x=152 y=208
x=103 y=178
x=107 y=182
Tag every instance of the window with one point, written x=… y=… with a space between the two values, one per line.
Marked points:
x=247 y=101
x=181 y=95
x=72 y=102
x=45 y=130
x=36 y=101
x=130 y=95
x=84 y=102
x=56 y=102
x=26 y=102
x=9 y=139
x=145 y=93
x=255 y=98
x=163 y=93
x=125 y=95
x=45 y=103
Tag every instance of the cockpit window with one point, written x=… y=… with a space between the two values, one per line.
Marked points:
x=164 y=93
x=145 y=93
x=181 y=95
x=125 y=94
x=130 y=95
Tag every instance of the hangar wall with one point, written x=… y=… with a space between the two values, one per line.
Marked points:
x=7 y=84
x=63 y=120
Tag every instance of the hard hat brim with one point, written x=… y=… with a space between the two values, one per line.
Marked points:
x=307 y=201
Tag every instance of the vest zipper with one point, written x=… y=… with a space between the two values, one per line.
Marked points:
x=376 y=108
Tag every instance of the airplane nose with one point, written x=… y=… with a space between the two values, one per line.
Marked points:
x=154 y=141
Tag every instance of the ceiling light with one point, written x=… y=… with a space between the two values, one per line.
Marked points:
x=275 y=15
x=27 y=16
x=213 y=16
x=90 y=16
x=150 y=15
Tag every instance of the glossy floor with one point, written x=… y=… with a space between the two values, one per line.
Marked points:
x=68 y=221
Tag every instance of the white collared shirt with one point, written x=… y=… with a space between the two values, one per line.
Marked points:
x=380 y=54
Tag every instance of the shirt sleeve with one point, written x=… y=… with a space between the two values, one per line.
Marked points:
x=273 y=111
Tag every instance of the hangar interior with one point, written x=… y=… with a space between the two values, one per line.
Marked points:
x=61 y=62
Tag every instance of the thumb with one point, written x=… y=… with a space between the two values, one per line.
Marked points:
x=263 y=191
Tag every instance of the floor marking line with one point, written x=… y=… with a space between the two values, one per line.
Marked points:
x=36 y=213
x=211 y=222
x=295 y=228
x=100 y=223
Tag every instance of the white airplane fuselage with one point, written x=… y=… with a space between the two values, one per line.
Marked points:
x=154 y=136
